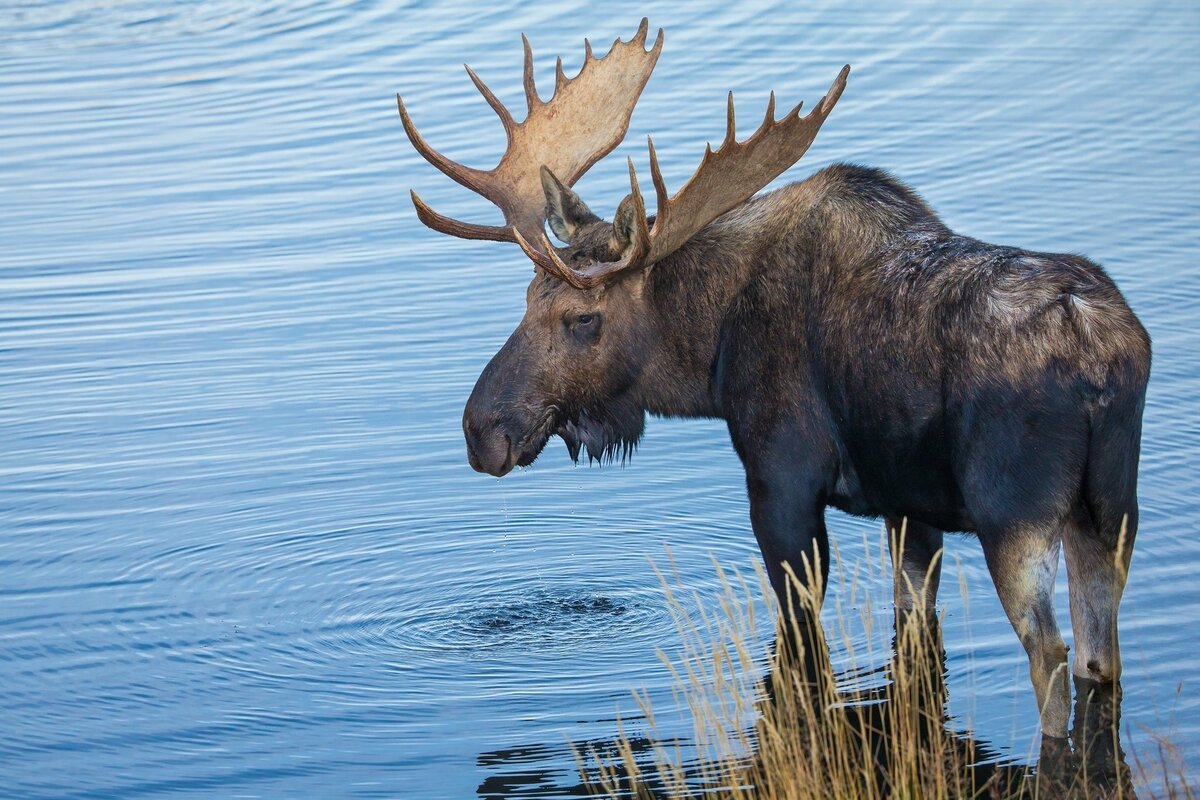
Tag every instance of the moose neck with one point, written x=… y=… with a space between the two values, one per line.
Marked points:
x=693 y=289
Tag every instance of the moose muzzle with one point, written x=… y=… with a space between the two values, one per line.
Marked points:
x=495 y=422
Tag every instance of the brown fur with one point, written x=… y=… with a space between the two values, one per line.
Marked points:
x=866 y=357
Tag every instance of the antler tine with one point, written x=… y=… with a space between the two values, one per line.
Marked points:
x=660 y=185
x=531 y=93
x=560 y=77
x=826 y=103
x=548 y=260
x=643 y=28
x=473 y=179
x=730 y=125
x=641 y=236
x=536 y=256
x=453 y=227
x=506 y=118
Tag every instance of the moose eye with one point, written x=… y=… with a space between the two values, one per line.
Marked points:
x=584 y=328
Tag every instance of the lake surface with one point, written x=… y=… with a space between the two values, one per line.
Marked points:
x=241 y=550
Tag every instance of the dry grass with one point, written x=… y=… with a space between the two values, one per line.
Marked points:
x=796 y=734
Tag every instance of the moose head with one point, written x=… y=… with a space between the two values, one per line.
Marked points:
x=585 y=358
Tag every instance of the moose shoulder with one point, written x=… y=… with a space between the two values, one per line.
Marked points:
x=862 y=354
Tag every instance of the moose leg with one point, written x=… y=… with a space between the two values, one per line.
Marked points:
x=789 y=524
x=916 y=564
x=1097 y=567
x=1023 y=563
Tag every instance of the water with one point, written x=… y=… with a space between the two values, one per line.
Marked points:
x=242 y=553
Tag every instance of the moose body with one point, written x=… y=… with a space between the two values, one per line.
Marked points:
x=864 y=357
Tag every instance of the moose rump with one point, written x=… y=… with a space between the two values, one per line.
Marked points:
x=862 y=354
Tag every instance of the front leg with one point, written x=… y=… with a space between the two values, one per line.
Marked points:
x=789 y=522
x=787 y=512
x=789 y=453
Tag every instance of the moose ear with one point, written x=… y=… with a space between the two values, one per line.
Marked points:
x=623 y=225
x=565 y=211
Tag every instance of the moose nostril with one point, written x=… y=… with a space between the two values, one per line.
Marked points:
x=477 y=429
x=489 y=448
x=476 y=441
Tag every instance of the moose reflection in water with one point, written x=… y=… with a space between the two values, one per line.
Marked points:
x=812 y=739
x=863 y=355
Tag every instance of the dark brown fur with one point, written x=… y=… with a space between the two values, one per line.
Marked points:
x=864 y=357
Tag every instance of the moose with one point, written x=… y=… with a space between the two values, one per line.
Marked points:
x=863 y=355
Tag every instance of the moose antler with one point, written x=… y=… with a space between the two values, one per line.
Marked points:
x=726 y=178
x=582 y=122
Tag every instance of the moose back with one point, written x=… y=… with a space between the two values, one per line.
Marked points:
x=863 y=355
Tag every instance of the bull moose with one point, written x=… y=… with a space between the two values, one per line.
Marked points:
x=863 y=355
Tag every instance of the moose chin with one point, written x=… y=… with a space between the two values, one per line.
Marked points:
x=863 y=355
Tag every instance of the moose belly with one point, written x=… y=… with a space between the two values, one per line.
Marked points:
x=906 y=479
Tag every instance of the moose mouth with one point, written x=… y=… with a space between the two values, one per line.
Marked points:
x=494 y=451
x=605 y=437
x=532 y=445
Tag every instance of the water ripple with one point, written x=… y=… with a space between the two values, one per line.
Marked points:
x=242 y=550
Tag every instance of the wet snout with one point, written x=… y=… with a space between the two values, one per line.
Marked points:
x=492 y=424
x=489 y=448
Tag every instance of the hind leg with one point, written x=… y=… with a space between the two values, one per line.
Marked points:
x=1023 y=562
x=1097 y=566
x=916 y=564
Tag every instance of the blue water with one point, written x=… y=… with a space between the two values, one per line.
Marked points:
x=241 y=551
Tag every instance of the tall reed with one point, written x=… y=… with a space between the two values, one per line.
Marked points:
x=794 y=733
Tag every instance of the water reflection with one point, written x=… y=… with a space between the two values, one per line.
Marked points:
x=519 y=772
x=896 y=727
x=1093 y=758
